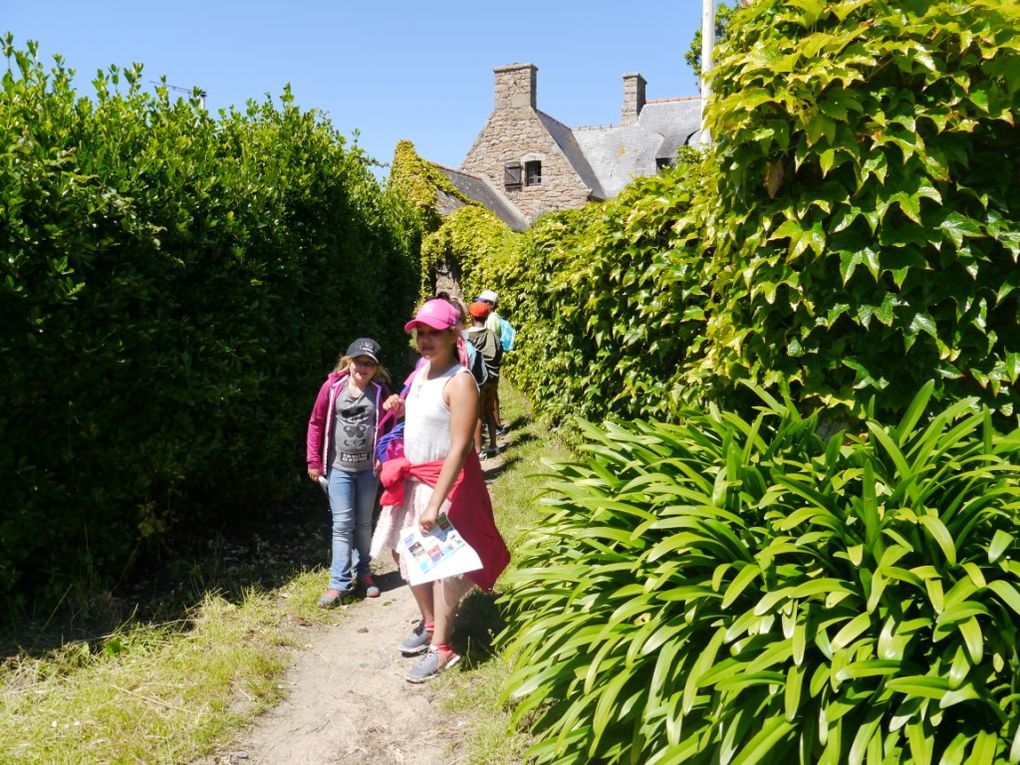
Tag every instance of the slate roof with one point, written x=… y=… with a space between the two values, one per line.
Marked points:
x=481 y=190
x=619 y=153
x=568 y=144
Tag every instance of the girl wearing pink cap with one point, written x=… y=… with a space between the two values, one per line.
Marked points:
x=439 y=472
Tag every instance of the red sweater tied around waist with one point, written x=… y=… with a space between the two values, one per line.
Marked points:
x=470 y=510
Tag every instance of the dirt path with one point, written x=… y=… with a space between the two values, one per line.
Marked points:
x=346 y=696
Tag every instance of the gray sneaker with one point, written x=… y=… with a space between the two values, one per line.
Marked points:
x=330 y=598
x=431 y=665
x=417 y=642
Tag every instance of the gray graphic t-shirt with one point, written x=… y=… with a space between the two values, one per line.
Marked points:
x=353 y=431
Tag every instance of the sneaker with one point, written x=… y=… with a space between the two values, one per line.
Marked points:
x=417 y=642
x=502 y=430
x=431 y=665
x=329 y=599
x=492 y=451
x=370 y=587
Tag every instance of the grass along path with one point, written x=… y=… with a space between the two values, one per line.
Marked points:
x=190 y=690
x=154 y=693
x=475 y=694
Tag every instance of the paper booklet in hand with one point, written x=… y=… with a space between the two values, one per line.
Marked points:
x=440 y=553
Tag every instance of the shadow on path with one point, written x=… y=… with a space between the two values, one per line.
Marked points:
x=167 y=584
x=479 y=621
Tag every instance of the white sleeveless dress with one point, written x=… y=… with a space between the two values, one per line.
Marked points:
x=426 y=439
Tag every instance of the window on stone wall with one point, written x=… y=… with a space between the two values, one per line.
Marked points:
x=533 y=173
x=512 y=176
x=662 y=163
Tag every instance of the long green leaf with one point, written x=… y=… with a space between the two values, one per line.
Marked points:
x=764 y=742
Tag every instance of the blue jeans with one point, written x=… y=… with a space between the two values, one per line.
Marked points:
x=351 y=498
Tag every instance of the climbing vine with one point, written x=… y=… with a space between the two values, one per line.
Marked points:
x=417 y=181
x=476 y=243
x=867 y=229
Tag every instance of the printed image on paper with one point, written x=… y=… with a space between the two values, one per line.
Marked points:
x=442 y=552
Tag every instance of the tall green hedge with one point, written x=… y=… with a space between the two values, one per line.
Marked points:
x=867 y=225
x=173 y=288
x=610 y=301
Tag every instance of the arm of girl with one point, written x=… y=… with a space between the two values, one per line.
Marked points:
x=394 y=402
x=316 y=427
x=461 y=395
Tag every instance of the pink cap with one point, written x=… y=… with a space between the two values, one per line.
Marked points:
x=437 y=314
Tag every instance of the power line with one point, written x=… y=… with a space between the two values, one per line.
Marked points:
x=191 y=91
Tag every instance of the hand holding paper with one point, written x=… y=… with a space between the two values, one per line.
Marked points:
x=440 y=553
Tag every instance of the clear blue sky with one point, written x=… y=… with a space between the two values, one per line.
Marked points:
x=391 y=69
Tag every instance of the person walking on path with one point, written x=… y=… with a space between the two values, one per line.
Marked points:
x=344 y=425
x=488 y=345
x=506 y=334
x=439 y=473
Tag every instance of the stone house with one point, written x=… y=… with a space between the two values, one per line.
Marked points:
x=525 y=162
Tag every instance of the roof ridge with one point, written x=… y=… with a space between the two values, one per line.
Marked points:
x=674 y=98
x=549 y=116
x=509 y=207
x=441 y=166
x=574 y=153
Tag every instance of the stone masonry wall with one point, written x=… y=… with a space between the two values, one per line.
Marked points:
x=515 y=133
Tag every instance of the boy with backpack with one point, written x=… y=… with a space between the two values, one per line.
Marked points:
x=488 y=345
x=506 y=333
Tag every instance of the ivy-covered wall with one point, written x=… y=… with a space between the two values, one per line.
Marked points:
x=867 y=225
x=469 y=243
x=477 y=243
x=610 y=301
x=853 y=232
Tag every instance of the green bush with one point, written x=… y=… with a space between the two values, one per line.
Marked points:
x=173 y=289
x=867 y=225
x=725 y=590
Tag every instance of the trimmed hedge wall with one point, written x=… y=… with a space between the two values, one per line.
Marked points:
x=173 y=289
x=609 y=302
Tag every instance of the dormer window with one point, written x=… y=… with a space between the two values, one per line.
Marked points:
x=533 y=173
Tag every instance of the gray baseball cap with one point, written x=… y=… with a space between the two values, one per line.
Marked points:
x=364 y=346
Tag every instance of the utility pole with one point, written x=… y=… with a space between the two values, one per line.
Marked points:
x=707 y=43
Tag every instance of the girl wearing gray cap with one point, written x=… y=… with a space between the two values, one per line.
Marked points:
x=342 y=432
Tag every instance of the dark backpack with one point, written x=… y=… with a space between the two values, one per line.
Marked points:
x=478 y=369
x=487 y=345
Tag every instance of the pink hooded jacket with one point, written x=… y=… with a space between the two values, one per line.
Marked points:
x=320 y=423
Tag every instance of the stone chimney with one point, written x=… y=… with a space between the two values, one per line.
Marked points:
x=516 y=86
x=633 y=98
